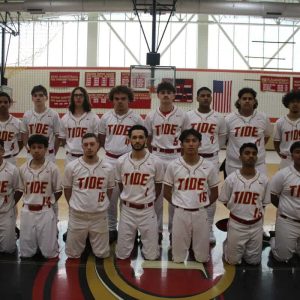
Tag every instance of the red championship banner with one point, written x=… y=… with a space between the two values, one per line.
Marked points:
x=64 y=79
x=100 y=100
x=100 y=79
x=296 y=83
x=274 y=84
x=59 y=100
x=125 y=78
x=184 y=90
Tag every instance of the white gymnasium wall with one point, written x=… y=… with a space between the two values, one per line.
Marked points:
x=21 y=80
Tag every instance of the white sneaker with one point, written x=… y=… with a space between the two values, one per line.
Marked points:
x=212 y=238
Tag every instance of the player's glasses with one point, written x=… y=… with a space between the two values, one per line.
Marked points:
x=78 y=95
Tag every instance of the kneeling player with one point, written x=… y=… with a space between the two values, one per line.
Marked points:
x=245 y=194
x=42 y=188
x=139 y=175
x=9 y=196
x=191 y=185
x=88 y=184
x=285 y=195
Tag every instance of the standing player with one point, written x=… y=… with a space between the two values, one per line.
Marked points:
x=42 y=188
x=9 y=196
x=78 y=121
x=245 y=194
x=165 y=125
x=190 y=185
x=139 y=175
x=285 y=195
x=246 y=126
x=10 y=130
x=113 y=136
x=211 y=125
x=42 y=120
x=88 y=184
x=287 y=128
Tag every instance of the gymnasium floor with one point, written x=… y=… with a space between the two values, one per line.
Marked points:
x=136 y=278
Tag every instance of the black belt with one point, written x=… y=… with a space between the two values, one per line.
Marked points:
x=187 y=209
x=10 y=156
x=285 y=217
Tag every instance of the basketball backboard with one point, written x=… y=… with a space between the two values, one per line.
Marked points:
x=146 y=78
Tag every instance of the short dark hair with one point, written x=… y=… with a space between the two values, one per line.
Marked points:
x=245 y=91
x=38 y=139
x=248 y=145
x=290 y=97
x=89 y=135
x=121 y=89
x=138 y=127
x=185 y=133
x=86 y=100
x=3 y=94
x=39 y=88
x=2 y=143
x=295 y=146
x=204 y=88
x=166 y=86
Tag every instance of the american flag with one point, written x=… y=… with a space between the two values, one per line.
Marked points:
x=222 y=96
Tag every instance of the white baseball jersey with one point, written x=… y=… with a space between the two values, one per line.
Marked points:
x=286 y=185
x=46 y=123
x=40 y=185
x=9 y=183
x=115 y=128
x=245 y=198
x=89 y=184
x=73 y=129
x=10 y=133
x=166 y=129
x=240 y=130
x=139 y=177
x=191 y=184
x=286 y=132
x=211 y=126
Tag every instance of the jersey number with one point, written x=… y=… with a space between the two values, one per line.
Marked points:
x=257 y=213
x=175 y=143
x=101 y=196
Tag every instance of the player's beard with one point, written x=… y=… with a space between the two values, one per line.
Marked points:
x=139 y=148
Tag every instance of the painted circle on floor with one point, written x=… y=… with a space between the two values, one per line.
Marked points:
x=141 y=279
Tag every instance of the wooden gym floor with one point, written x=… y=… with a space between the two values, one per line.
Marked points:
x=136 y=278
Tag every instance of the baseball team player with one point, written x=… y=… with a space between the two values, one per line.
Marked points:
x=88 y=184
x=78 y=121
x=42 y=120
x=41 y=185
x=246 y=126
x=285 y=195
x=287 y=128
x=139 y=175
x=10 y=130
x=164 y=126
x=212 y=127
x=190 y=186
x=245 y=193
x=113 y=136
x=10 y=194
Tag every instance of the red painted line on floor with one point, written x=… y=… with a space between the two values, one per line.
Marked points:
x=41 y=278
x=66 y=283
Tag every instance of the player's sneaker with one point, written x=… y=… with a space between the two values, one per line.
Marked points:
x=212 y=238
